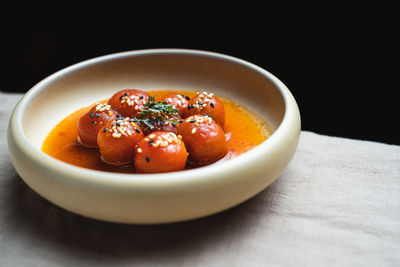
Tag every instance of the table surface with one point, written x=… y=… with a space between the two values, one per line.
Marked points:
x=336 y=204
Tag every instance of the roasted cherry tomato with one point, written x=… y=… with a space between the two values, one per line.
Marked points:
x=206 y=104
x=160 y=152
x=178 y=101
x=204 y=139
x=129 y=102
x=90 y=123
x=118 y=140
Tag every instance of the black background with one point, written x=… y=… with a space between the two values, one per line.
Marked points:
x=342 y=66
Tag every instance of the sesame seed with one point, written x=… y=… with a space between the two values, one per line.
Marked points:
x=116 y=135
x=147 y=158
x=141 y=97
x=97 y=115
x=200 y=103
x=121 y=97
x=137 y=130
x=105 y=130
x=161 y=123
x=152 y=136
x=118 y=124
x=102 y=107
x=174 y=124
x=151 y=142
x=94 y=123
x=192 y=121
x=188 y=98
x=193 y=130
x=115 y=109
x=212 y=105
x=126 y=94
x=91 y=114
x=163 y=143
x=139 y=150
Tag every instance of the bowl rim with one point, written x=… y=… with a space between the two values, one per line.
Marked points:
x=290 y=122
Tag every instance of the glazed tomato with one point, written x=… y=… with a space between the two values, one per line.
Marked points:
x=204 y=139
x=90 y=123
x=178 y=101
x=129 y=102
x=206 y=104
x=118 y=140
x=160 y=152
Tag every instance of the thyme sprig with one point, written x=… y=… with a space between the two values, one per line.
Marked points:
x=156 y=112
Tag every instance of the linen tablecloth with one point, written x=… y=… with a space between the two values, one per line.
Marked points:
x=336 y=204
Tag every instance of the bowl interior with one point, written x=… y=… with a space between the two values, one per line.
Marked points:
x=80 y=85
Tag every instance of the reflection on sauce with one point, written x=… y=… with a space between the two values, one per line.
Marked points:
x=244 y=130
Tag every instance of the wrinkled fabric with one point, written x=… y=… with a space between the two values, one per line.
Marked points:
x=336 y=204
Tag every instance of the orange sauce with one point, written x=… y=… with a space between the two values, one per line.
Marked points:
x=243 y=128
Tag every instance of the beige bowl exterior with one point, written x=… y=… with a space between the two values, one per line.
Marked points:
x=153 y=198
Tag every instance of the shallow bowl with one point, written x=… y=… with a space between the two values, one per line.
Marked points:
x=153 y=198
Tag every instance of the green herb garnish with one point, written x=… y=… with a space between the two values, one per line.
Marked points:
x=156 y=112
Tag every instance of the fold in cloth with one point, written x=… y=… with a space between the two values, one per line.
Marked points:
x=336 y=204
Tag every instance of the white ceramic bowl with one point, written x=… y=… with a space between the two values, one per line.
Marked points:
x=153 y=198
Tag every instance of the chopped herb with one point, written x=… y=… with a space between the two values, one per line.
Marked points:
x=156 y=112
x=148 y=124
